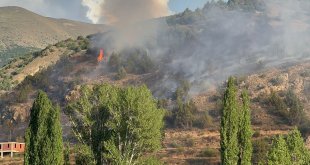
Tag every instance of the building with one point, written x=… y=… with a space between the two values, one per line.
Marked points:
x=11 y=147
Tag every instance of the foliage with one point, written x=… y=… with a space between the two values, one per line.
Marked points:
x=296 y=112
x=135 y=61
x=279 y=153
x=185 y=18
x=14 y=52
x=245 y=132
x=229 y=125
x=247 y=5
x=299 y=153
x=183 y=114
x=208 y=152
x=151 y=160
x=67 y=154
x=260 y=148
x=279 y=106
x=276 y=81
x=203 y=121
x=84 y=155
x=290 y=108
x=44 y=135
x=118 y=124
x=121 y=73
x=22 y=95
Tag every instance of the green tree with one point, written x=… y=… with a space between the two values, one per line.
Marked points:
x=183 y=114
x=245 y=132
x=119 y=125
x=298 y=151
x=44 y=135
x=296 y=109
x=229 y=125
x=279 y=153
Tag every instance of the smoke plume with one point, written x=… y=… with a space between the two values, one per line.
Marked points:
x=208 y=45
x=124 y=12
x=94 y=9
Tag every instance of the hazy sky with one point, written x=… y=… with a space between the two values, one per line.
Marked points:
x=73 y=9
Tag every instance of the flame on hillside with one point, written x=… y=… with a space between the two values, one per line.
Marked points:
x=100 y=56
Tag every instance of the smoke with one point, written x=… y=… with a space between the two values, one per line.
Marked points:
x=94 y=9
x=208 y=45
x=120 y=12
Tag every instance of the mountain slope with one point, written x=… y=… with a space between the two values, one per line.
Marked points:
x=23 y=31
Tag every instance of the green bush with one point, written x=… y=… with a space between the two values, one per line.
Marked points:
x=84 y=155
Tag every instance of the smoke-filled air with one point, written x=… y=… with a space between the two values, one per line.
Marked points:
x=209 y=44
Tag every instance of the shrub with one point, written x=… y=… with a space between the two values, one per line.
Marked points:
x=208 y=152
x=121 y=73
x=260 y=150
x=276 y=81
x=189 y=142
x=84 y=155
x=203 y=121
x=306 y=73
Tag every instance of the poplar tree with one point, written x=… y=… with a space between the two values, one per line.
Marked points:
x=44 y=135
x=229 y=125
x=279 y=153
x=119 y=125
x=245 y=132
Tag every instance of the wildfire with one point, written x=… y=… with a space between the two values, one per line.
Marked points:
x=100 y=56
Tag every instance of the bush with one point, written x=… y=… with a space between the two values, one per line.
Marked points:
x=306 y=73
x=84 y=155
x=189 y=142
x=121 y=73
x=279 y=106
x=276 y=81
x=208 y=152
x=203 y=121
x=260 y=150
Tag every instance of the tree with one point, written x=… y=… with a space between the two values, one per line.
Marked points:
x=229 y=125
x=279 y=153
x=296 y=109
x=44 y=135
x=119 y=125
x=298 y=151
x=183 y=114
x=245 y=132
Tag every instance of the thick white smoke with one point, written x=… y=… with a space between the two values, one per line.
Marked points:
x=124 y=12
x=94 y=9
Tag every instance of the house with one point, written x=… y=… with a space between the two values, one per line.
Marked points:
x=11 y=147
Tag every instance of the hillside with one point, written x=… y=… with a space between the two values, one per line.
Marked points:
x=190 y=57
x=23 y=31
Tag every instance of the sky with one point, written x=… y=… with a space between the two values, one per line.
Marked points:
x=74 y=10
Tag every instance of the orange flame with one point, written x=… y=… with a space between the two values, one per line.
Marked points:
x=100 y=56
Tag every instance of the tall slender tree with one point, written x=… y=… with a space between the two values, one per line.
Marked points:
x=229 y=125
x=44 y=135
x=245 y=132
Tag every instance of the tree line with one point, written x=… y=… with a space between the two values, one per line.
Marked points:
x=123 y=126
